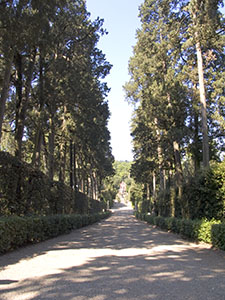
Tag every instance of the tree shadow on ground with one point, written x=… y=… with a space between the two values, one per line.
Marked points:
x=122 y=258
x=159 y=276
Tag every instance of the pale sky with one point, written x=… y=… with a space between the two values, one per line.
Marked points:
x=121 y=21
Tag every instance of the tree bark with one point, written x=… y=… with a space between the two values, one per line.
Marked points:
x=205 y=142
x=71 y=166
x=178 y=166
x=51 y=149
x=75 y=167
x=179 y=171
x=196 y=142
x=36 y=160
x=62 y=161
x=37 y=144
x=22 y=107
x=153 y=184
x=5 y=89
x=160 y=159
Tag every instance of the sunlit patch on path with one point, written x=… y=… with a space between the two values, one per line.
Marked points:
x=119 y=258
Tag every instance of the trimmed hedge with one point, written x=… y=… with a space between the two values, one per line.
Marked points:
x=204 y=194
x=26 y=191
x=218 y=236
x=212 y=232
x=20 y=231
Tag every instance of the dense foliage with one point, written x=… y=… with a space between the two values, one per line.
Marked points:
x=27 y=191
x=53 y=107
x=178 y=91
x=19 y=231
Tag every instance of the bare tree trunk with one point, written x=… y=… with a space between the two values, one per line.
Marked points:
x=60 y=157
x=90 y=187
x=153 y=192
x=196 y=142
x=179 y=172
x=45 y=154
x=153 y=184
x=172 y=194
x=148 y=191
x=95 y=186
x=82 y=185
x=75 y=167
x=160 y=158
x=62 y=162
x=71 y=165
x=19 y=89
x=36 y=159
x=5 y=89
x=22 y=108
x=177 y=160
x=205 y=142
x=161 y=171
x=63 y=149
x=37 y=144
x=51 y=149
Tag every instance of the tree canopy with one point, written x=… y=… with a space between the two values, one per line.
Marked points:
x=176 y=88
x=53 y=105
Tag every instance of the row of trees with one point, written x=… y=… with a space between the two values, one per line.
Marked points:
x=53 y=108
x=177 y=87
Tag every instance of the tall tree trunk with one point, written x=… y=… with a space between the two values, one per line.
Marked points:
x=5 y=88
x=205 y=142
x=153 y=184
x=95 y=182
x=153 y=208
x=36 y=159
x=63 y=148
x=22 y=108
x=75 y=167
x=19 y=95
x=62 y=161
x=19 y=92
x=196 y=143
x=160 y=158
x=45 y=154
x=51 y=149
x=172 y=192
x=37 y=143
x=179 y=172
x=71 y=165
x=177 y=160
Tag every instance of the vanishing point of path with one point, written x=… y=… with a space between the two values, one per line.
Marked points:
x=119 y=258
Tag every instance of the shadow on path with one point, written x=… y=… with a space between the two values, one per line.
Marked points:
x=119 y=258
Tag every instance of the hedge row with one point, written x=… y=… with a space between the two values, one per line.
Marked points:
x=25 y=191
x=19 y=231
x=212 y=232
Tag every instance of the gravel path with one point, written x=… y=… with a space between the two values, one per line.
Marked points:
x=119 y=258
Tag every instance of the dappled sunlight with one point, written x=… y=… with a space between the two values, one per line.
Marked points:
x=110 y=274
x=78 y=257
x=115 y=259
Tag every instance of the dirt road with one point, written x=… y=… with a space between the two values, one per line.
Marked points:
x=119 y=258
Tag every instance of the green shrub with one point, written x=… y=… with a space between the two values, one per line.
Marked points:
x=204 y=232
x=26 y=191
x=19 y=231
x=149 y=219
x=204 y=194
x=200 y=230
x=218 y=235
x=160 y=222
